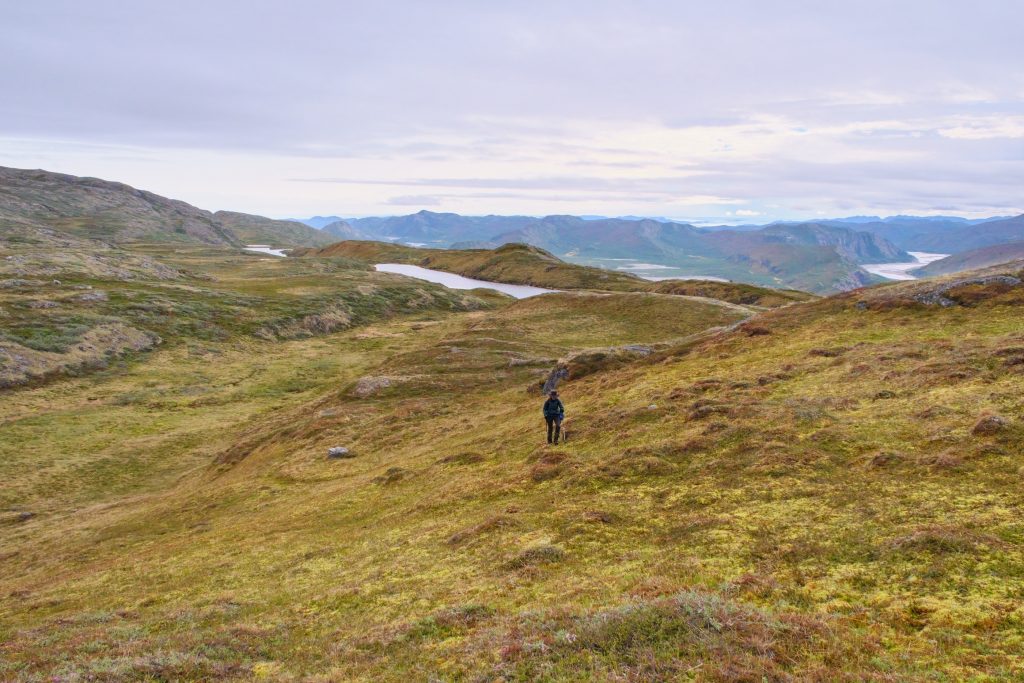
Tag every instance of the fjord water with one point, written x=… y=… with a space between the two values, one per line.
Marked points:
x=453 y=281
x=899 y=271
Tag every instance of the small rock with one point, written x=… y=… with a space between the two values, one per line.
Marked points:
x=339 y=452
x=653 y=406
x=25 y=516
x=97 y=295
x=368 y=386
x=989 y=425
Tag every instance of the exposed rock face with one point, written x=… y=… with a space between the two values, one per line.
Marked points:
x=45 y=253
x=368 y=386
x=21 y=365
x=332 y=319
x=936 y=296
x=96 y=295
x=18 y=283
x=556 y=376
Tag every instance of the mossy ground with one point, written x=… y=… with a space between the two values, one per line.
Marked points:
x=799 y=498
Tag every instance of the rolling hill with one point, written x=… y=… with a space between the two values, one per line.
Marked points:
x=973 y=259
x=526 y=264
x=249 y=229
x=117 y=213
x=343 y=230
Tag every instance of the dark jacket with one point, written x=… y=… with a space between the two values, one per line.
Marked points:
x=553 y=409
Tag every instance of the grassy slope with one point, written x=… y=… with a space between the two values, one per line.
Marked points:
x=250 y=229
x=735 y=292
x=208 y=294
x=524 y=264
x=973 y=259
x=800 y=497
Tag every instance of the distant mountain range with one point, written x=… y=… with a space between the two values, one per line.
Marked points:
x=816 y=256
x=812 y=256
x=940 y=234
x=318 y=222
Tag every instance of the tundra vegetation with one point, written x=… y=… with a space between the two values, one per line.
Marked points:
x=758 y=485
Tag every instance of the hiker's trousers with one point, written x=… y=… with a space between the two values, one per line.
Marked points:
x=554 y=427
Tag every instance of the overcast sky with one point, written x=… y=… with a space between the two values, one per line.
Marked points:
x=740 y=109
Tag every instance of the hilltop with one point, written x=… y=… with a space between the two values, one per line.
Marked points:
x=118 y=213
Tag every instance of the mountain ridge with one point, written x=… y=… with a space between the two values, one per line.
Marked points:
x=119 y=213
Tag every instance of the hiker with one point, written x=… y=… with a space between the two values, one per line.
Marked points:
x=554 y=413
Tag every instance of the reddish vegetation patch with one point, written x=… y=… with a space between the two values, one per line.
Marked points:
x=989 y=425
x=491 y=524
x=692 y=635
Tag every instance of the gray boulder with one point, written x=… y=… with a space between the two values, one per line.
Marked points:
x=338 y=452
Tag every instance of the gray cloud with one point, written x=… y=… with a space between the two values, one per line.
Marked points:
x=520 y=88
x=415 y=200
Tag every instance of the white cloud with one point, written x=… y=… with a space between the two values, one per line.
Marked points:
x=985 y=128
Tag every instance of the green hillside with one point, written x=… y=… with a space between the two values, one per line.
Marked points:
x=525 y=264
x=825 y=491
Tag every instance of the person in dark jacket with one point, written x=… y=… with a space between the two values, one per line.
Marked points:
x=554 y=413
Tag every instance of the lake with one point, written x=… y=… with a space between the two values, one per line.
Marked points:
x=453 y=281
x=265 y=249
x=648 y=271
x=898 y=271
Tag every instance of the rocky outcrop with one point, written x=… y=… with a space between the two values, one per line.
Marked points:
x=370 y=386
x=22 y=365
x=937 y=295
